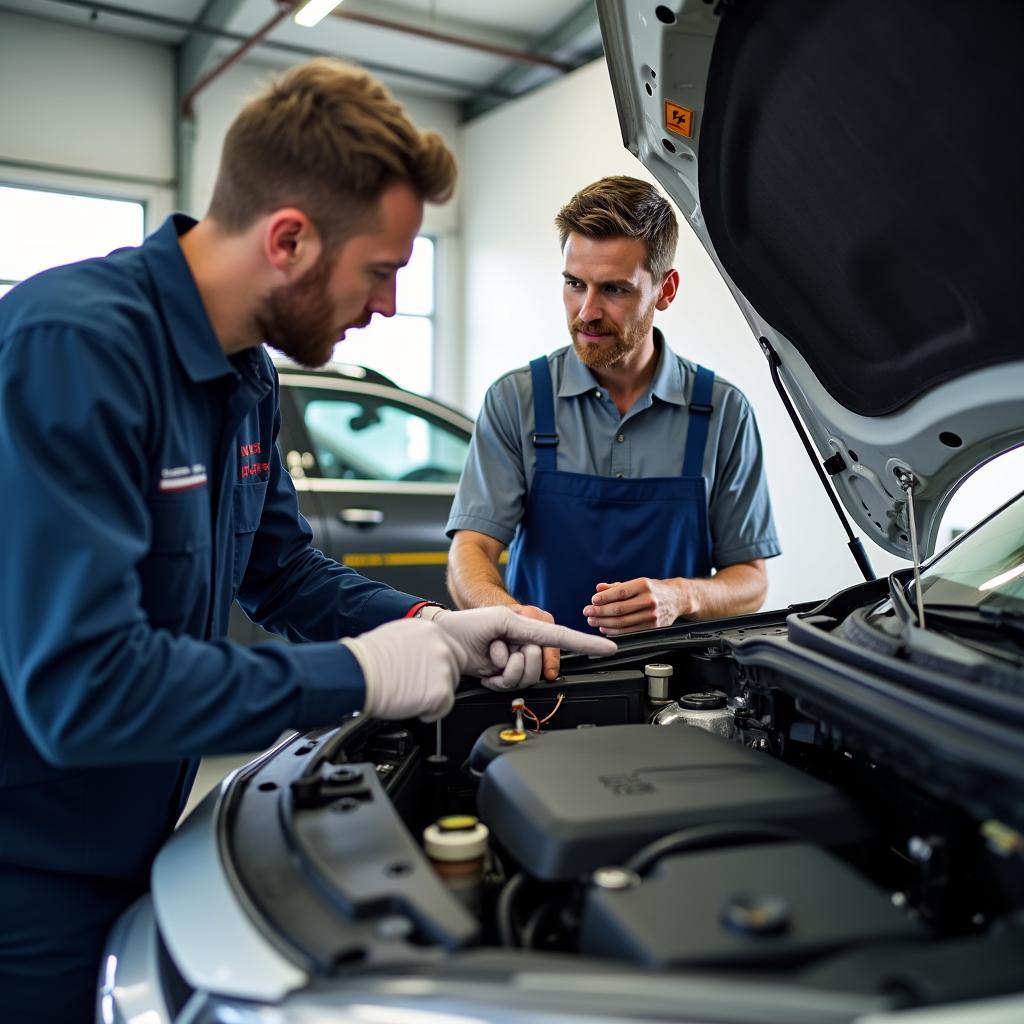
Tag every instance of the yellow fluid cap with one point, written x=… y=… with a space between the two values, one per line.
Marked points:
x=511 y=736
x=457 y=822
x=463 y=843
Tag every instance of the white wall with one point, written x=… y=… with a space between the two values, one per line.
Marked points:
x=100 y=104
x=521 y=163
x=100 y=110
x=79 y=100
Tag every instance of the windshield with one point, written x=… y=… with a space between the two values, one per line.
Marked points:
x=985 y=569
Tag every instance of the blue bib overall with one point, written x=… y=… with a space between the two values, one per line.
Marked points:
x=581 y=530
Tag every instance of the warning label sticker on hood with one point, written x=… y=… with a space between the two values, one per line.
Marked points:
x=678 y=119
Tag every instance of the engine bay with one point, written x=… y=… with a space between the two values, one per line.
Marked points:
x=692 y=805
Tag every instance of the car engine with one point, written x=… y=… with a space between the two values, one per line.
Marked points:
x=702 y=802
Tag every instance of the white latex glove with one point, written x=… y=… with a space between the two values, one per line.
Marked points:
x=505 y=649
x=411 y=667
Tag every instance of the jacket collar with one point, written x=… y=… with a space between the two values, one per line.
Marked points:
x=177 y=295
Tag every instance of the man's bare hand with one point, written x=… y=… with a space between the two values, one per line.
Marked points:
x=552 y=655
x=642 y=603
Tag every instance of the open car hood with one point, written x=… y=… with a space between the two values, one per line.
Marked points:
x=854 y=170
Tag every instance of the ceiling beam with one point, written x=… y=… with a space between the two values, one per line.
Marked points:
x=565 y=36
x=291 y=49
x=196 y=49
x=191 y=59
x=436 y=35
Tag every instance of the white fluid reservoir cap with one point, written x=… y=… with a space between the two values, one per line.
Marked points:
x=456 y=837
x=658 y=670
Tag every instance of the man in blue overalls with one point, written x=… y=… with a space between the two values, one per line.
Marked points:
x=618 y=474
x=144 y=493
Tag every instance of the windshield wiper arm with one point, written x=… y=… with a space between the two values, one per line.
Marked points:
x=985 y=611
x=977 y=615
x=951 y=614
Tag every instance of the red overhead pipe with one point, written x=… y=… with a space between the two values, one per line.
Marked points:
x=285 y=7
x=446 y=37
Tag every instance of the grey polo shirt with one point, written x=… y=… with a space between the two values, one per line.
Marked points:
x=593 y=438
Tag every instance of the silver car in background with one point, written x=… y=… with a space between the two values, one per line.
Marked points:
x=375 y=467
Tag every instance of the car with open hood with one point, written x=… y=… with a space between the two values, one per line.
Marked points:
x=813 y=814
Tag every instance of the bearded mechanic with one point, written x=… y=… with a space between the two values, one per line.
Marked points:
x=138 y=420
x=627 y=482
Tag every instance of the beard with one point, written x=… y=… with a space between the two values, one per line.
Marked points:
x=298 y=319
x=622 y=343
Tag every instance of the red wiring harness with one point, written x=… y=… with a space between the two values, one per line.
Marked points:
x=538 y=722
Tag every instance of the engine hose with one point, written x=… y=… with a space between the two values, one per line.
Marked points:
x=700 y=837
x=532 y=924
x=503 y=910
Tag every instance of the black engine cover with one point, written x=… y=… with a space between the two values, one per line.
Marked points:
x=593 y=797
x=774 y=905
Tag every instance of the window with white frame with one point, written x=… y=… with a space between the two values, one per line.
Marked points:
x=45 y=228
x=402 y=346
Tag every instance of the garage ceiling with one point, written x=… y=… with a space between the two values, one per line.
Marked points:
x=477 y=53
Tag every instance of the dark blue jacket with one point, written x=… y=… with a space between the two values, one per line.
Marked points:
x=142 y=493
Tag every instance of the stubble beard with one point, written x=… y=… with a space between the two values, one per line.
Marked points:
x=600 y=357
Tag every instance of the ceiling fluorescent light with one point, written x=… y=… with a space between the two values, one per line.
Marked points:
x=314 y=11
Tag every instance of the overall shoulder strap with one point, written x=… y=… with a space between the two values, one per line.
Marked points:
x=545 y=439
x=700 y=415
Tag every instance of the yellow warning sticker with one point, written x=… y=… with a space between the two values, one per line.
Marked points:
x=679 y=119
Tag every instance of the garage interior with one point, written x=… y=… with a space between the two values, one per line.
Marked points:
x=521 y=93
x=129 y=102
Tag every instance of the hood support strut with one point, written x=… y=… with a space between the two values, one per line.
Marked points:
x=855 y=544
x=907 y=482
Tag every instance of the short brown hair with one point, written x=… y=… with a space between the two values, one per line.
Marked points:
x=624 y=207
x=327 y=138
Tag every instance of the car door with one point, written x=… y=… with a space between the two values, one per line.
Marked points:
x=375 y=468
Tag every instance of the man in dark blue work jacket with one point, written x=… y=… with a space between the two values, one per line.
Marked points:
x=144 y=493
x=626 y=481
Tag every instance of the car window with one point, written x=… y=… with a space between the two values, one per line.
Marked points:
x=365 y=437
x=985 y=568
